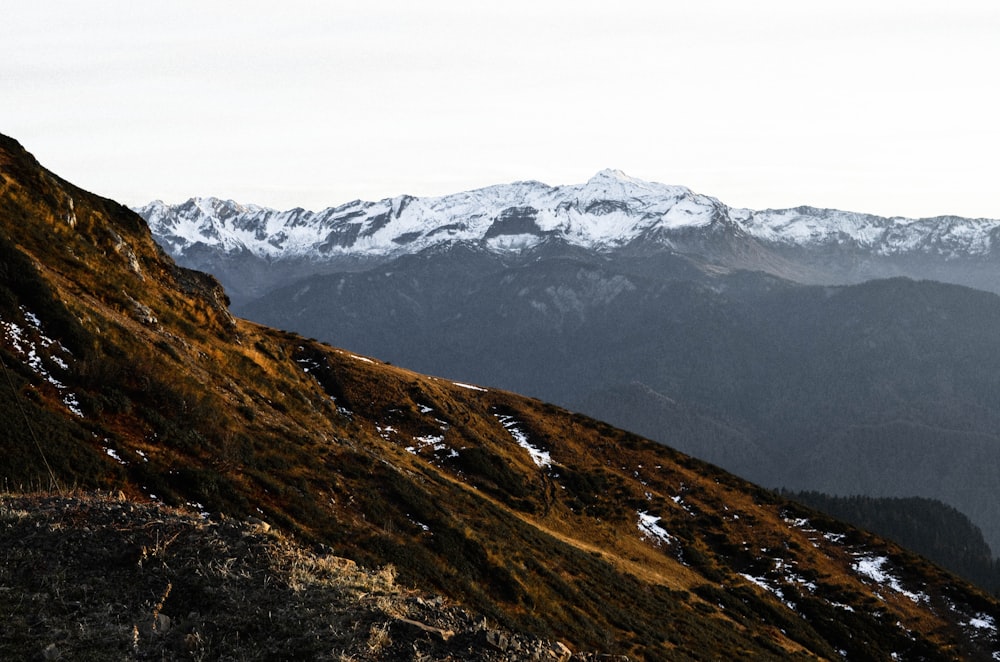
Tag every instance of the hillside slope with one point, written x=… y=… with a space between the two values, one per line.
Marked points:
x=128 y=373
x=886 y=388
x=91 y=578
x=930 y=528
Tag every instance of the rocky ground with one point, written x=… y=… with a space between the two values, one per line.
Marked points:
x=89 y=577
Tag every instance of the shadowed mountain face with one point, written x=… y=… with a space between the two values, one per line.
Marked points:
x=128 y=373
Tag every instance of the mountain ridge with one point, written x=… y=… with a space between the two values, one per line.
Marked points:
x=628 y=209
x=255 y=249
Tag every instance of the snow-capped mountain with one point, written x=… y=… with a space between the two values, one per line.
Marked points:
x=610 y=211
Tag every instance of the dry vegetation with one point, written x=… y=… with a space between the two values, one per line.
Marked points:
x=96 y=578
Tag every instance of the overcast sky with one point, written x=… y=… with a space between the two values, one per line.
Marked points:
x=883 y=107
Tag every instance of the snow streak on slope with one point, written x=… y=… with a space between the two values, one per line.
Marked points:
x=540 y=457
x=609 y=211
x=650 y=527
x=40 y=353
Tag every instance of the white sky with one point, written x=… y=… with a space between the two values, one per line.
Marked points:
x=884 y=107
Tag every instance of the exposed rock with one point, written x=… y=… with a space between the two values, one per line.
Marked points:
x=497 y=639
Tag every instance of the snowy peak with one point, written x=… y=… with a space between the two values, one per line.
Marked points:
x=611 y=179
x=610 y=210
x=610 y=174
x=615 y=183
x=943 y=236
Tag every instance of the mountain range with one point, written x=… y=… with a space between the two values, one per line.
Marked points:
x=128 y=375
x=610 y=213
x=806 y=349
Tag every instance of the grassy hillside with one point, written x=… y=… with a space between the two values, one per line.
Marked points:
x=928 y=527
x=887 y=388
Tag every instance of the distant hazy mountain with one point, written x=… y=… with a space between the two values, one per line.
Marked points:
x=745 y=338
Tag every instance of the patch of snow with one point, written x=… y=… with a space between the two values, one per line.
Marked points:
x=31 y=343
x=307 y=364
x=71 y=402
x=983 y=622
x=470 y=387
x=764 y=584
x=32 y=318
x=680 y=502
x=538 y=456
x=417 y=522
x=759 y=581
x=871 y=567
x=15 y=334
x=800 y=523
x=513 y=242
x=113 y=454
x=434 y=441
x=875 y=568
x=649 y=525
x=792 y=577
